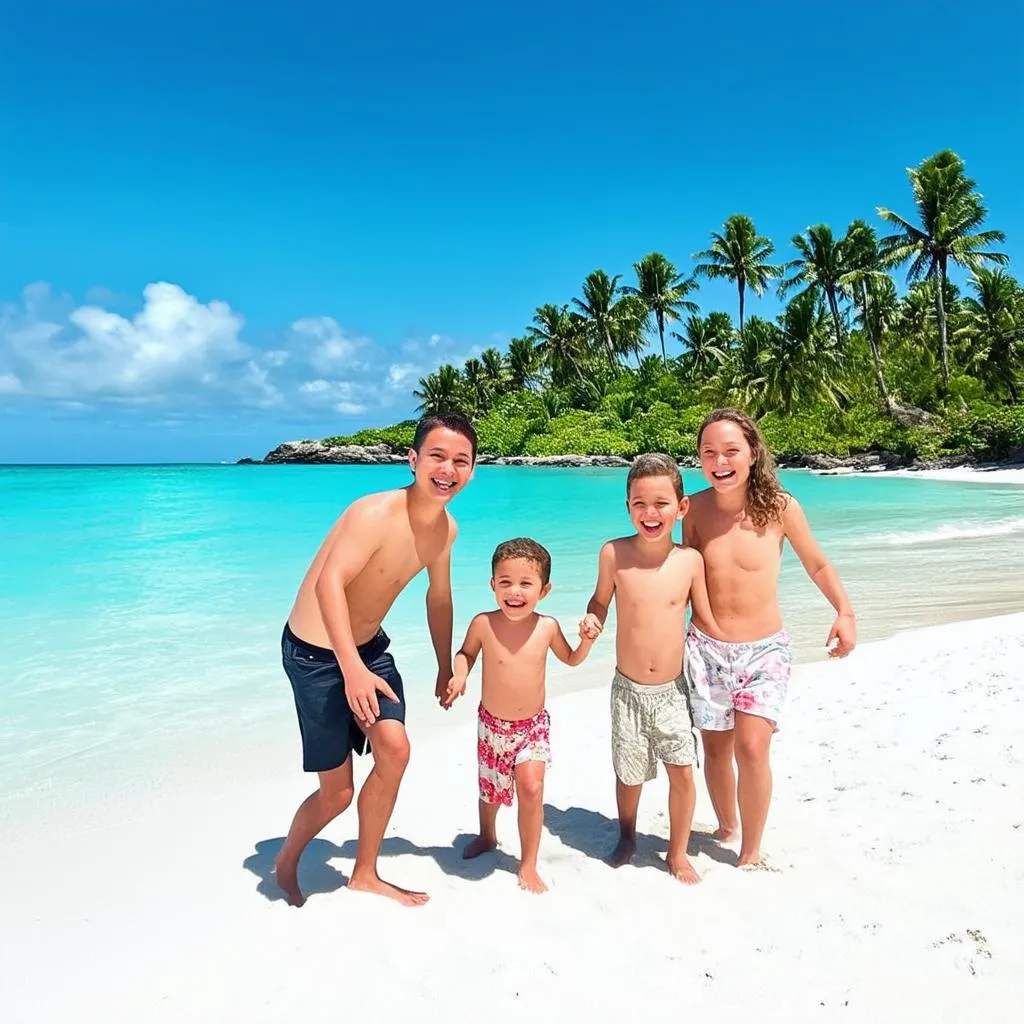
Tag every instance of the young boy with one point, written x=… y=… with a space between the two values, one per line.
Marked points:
x=738 y=671
x=652 y=580
x=335 y=652
x=513 y=727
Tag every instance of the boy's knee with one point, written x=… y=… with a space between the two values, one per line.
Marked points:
x=391 y=749
x=530 y=789
x=336 y=798
x=751 y=749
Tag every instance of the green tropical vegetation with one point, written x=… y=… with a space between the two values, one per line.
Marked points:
x=850 y=364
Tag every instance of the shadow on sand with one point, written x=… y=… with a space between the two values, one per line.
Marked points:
x=594 y=835
x=589 y=832
x=317 y=875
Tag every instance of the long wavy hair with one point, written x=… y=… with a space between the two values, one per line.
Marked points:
x=766 y=500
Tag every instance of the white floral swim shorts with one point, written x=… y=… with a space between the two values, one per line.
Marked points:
x=727 y=677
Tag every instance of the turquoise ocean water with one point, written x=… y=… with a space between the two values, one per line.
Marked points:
x=142 y=606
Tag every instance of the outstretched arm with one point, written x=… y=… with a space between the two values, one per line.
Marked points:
x=601 y=599
x=798 y=532
x=465 y=659
x=439 y=613
x=563 y=652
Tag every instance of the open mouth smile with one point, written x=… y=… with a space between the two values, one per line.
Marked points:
x=650 y=527
x=724 y=474
x=444 y=486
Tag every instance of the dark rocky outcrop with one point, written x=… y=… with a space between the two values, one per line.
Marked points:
x=316 y=452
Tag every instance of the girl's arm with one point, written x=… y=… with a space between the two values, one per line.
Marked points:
x=700 y=603
x=465 y=658
x=563 y=652
x=798 y=532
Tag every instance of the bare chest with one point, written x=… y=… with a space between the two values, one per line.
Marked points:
x=743 y=547
x=392 y=567
x=645 y=591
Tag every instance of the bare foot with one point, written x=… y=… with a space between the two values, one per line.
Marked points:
x=749 y=860
x=480 y=844
x=376 y=885
x=682 y=870
x=623 y=852
x=724 y=834
x=531 y=881
x=288 y=882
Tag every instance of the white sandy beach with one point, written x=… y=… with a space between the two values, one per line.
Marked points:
x=968 y=474
x=896 y=843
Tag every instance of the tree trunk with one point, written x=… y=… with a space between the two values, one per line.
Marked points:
x=661 y=338
x=875 y=345
x=612 y=362
x=741 y=308
x=940 y=311
x=833 y=305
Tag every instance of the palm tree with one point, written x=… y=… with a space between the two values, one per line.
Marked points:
x=478 y=386
x=664 y=291
x=993 y=329
x=495 y=371
x=739 y=254
x=801 y=360
x=950 y=211
x=560 y=338
x=523 y=361
x=820 y=267
x=598 y=307
x=706 y=343
x=741 y=379
x=629 y=316
x=862 y=276
x=442 y=391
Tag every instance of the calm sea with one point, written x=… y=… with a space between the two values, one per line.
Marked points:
x=142 y=605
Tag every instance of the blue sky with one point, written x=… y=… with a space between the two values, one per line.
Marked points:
x=223 y=225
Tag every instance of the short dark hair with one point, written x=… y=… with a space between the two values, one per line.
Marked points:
x=655 y=464
x=523 y=547
x=450 y=420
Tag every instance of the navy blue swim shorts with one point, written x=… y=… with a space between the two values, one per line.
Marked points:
x=329 y=729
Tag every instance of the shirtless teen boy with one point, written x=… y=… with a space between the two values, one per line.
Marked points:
x=335 y=652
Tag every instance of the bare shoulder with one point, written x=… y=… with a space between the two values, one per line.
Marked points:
x=792 y=513
x=687 y=559
x=700 y=502
x=453 y=527
x=617 y=548
x=549 y=624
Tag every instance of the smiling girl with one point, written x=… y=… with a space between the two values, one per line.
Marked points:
x=738 y=668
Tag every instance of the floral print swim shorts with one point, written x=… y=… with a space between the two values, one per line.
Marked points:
x=727 y=677
x=501 y=745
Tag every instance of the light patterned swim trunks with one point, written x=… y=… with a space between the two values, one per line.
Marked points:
x=501 y=745
x=650 y=723
x=725 y=678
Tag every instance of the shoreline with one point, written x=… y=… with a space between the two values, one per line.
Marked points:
x=912 y=744
x=884 y=463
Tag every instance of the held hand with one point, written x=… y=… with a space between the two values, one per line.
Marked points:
x=590 y=627
x=843 y=636
x=455 y=689
x=361 y=693
x=441 y=686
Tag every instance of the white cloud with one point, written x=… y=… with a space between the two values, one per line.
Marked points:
x=177 y=352
x=173 y=341
x=329 y=348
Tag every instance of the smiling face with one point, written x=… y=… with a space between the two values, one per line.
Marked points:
x=725 y=456
x=443 y=465
x=518 y=587
x=654 y=507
